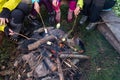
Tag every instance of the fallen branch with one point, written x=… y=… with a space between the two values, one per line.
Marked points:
x=73 y=56
x=60 y=72
x=6 y=72
x=39 y=42
x=25 y=36
x=42 y=29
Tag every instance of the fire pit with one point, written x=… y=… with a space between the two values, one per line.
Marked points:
x=46 y=57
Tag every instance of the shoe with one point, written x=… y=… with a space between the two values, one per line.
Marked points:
x=91 y=26
x=33 y=20
x=15 y=28
x=58 y=16
x=51 y=18
x=83 y=19
x=70 y=15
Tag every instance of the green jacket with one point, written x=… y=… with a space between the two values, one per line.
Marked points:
x=80 y=3
x=9 y=4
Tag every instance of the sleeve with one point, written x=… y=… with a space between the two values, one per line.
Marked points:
x=80 y=3
x=35 y=0
x=11 y=4
x=5 y=13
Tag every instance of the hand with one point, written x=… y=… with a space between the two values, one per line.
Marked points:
x=77 y=11
x=37 y=7
x=3 y=21
x=55 y=3
x=11 y=32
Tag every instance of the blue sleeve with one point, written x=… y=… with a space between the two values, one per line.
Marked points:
x=35 y=0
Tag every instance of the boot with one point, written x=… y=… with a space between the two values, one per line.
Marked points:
x=17 y=30
x=83 y=19
x=91 y=26
x=51 y=18
x=1 y=37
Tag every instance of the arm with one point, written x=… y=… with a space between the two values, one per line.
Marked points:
x=6 y=8
x=11 y=4
x=80 y=4
x=36 y=5
x=78 y=7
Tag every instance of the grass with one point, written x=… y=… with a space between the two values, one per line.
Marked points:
x=104 y=63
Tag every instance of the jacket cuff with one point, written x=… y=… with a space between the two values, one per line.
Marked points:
x=5 y=13
x=35 y=0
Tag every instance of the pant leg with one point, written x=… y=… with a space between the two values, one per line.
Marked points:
x=109 y=4
x=72 y=4
x=95 y=9
x=48 y=5
x=18 y=16
x=56 y=8
x=86 y=7
x=19 y=13
x=24 y=8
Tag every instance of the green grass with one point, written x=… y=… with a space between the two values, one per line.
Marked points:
x=104 y=60
x=117 y=8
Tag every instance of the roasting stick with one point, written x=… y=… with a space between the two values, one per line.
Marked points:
x=70 y=31
x=45 y=29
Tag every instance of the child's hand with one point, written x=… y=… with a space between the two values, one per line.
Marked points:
x=11 y=32
x=3 y=21
x=77 y=11
x=37 y=7
x=55 y=3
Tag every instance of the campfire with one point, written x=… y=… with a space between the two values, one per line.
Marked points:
x=49 y=56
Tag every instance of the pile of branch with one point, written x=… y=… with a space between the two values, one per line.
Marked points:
x=47 y=57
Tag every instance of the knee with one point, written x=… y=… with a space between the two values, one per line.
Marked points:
x=24 y=7
x=17 y=15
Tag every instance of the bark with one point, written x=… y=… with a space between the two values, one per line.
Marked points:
x=109 y=36
x=60 y=72
x=74 y=56
x=6 y=72
x=39 y=42
x=42 y=29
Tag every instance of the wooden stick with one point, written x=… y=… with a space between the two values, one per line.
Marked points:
x=74 y=56
x=42 y=29
x=60 y=69
x=39 y=42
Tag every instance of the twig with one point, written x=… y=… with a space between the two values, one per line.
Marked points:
x=73 y=65
x=74 y=56
x=45 y=29
x=25 y=36
x=60 y=69
x=69 y=32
